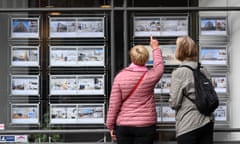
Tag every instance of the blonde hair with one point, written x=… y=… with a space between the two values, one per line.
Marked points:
x=186 y=49
x=139 y=55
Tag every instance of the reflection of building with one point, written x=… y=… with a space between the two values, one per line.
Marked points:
x=61 y=27
x=208 y=26
x=20 y=27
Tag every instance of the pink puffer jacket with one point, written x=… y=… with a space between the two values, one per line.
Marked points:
x=139 y=108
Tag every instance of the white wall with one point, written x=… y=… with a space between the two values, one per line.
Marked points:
x=234 y=18
x=234 y=49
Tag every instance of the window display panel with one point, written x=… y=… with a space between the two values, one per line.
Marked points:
x=168 y=52
x=24 y=85
x=214 y=55
x=220 y=82
x=146 y=26
x=75 y=27
x=168 y=114
x=77 y=113
x=25 y=56
x=213 y=25
x=76 y=56
x=24 y=27
x=170 y=26
x=63 y=113
x=174 y=26
x=25 y=113
x=221 y=113
x=77 y=85
x=63 y=85
x=164 y=84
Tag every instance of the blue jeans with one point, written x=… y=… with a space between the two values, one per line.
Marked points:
x=202 y=135
x=135 y=135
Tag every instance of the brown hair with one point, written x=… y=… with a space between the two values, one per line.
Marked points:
x=186 y=49
x=139 y=55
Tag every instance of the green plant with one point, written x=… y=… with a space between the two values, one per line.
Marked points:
x=44 y=137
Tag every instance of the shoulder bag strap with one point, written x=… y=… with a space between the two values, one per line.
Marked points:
x=134 y=87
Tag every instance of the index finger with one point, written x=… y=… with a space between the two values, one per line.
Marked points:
x=151 y=37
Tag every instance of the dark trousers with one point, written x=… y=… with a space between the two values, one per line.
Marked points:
x=135 y=135
x=203 y=135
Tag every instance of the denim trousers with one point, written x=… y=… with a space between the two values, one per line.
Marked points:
x=135 y=135
x=202 y=135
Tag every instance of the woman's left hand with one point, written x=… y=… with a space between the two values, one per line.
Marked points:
x=113 y=135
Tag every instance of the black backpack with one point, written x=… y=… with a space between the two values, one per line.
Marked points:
x=206 y=96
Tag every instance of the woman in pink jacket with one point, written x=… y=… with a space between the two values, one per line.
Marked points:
x=133 y=117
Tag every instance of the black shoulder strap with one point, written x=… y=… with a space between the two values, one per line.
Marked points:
x=187 y=66
x=199 y=66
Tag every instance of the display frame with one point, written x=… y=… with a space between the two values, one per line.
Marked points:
x=163 y=85
x=24 y=115
x=168 y=52
x=76 y=85
x=23 y=86
x=92 y=113
x=220 y=82
x=72 y=29
x=213 y=21
x=20 y=27
x=168 y=114
x=21 y=56
x=142 y=22
x=170 y=23
x=221 y=114
x=80 y=56
x=219 y=55
x=142 y=26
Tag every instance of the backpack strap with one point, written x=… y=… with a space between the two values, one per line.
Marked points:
x=199 y=66
x=189 y=67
